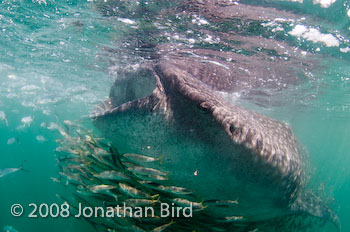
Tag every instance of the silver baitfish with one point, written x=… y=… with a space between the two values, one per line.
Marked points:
x=7 y=171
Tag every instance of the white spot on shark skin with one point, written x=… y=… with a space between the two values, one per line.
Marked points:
x=209 y=39
x=314 y=35
x=41 y=138
x=199 y=21
x=191 y=41
x=203 y=21
x=275 y=25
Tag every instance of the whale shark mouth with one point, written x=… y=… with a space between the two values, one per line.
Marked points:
x=133 y=89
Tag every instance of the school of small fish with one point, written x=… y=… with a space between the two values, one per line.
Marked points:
x=103 y=177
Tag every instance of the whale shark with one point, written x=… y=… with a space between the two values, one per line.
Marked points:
x=173 y=110
x=171 y=102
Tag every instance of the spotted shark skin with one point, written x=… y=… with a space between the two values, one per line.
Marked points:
x=171 y=108
x=236 y=153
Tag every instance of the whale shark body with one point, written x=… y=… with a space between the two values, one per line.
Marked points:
x=247 y=170
x=173 y=110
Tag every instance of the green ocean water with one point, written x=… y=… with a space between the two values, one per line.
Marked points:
x=55 y=65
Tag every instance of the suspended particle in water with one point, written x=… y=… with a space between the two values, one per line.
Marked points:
x=41 y=138
x=12 y=141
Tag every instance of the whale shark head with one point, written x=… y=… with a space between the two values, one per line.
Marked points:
x=173 y=110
